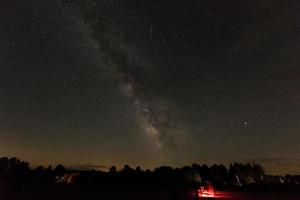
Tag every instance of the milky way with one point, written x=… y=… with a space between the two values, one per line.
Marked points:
x=152 y=115
x=150 y=82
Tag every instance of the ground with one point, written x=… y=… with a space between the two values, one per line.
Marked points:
x=77 y=192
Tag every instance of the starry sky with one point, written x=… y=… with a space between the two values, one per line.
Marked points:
x=157 y=82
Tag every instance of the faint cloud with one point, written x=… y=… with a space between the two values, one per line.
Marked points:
x=274 y=159
x=88 y=166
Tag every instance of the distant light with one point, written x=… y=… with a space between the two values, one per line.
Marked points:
x=206 y=192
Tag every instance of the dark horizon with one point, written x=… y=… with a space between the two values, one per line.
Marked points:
x=195 y=182
x=105 y=168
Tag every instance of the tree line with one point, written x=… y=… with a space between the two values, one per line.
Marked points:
x=236 y=175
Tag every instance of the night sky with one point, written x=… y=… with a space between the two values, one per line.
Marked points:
x=156 y=82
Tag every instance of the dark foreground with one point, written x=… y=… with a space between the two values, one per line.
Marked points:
x=257 y=196
x=77 y=192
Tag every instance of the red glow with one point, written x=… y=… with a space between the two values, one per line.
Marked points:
x=207 y=192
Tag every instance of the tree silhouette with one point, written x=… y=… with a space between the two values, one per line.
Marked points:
x=113 y=169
